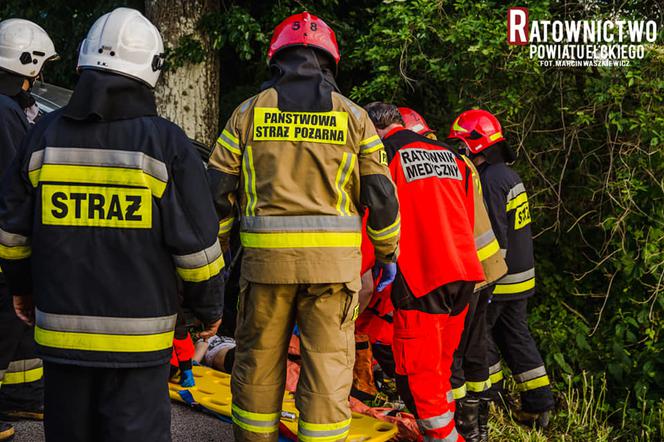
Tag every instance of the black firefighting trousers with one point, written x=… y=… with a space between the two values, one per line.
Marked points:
x=85 y=404
x=21 y=383
x=510 y=337
x=470 y=369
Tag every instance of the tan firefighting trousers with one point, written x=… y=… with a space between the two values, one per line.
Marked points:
x=325 y=315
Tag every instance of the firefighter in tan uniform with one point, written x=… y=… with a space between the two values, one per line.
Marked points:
x=299 y=163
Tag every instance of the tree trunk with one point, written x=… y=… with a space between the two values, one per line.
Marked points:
x=188 y=95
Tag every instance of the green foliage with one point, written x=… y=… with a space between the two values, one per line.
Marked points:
x=591 y=152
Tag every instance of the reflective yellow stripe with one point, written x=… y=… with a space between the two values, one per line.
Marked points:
x=489 y=250
x=255 y=422
x=517 y=201
x=341 y=181
x=202 y=273
x=285 y=240
x=16 y=252
x=23 y=377
x=387 y=232
x=456 y=127
x=103 y=342
x=478 y=387
x=496 y=377
x=459 y=393
x=533 y=384
x=507 y=289
x=97 y=175
x=495 y=136
x=233 y=145
x=309 y=432
x=373 y=144
x=249 y=181
x=225 y=225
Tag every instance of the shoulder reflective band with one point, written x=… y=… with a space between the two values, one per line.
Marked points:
x=385 y=233
x=225 y=225
x=341 y=181
x=14 y=246
x=286 y=240
x=255 y=422
x=98 y=166
x=515 y=283
x=229 y=142
x=486 y=245
x=532 y=379
x=303 y=223
x=101 y=333
x=460 y=392
x=23 y=371
x=370 y=145
x=249 y=181
x=309 y=432
x=271 y=124
x=200 y=266
x=436 y=422
x=478 y=387
x=517 y=201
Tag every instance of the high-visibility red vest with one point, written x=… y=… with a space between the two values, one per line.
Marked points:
x=437 y=213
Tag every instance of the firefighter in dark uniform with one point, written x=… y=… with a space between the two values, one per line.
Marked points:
x=24 y=49
x=103 y=206
x=507 y=317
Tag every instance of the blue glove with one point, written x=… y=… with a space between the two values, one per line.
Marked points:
x=187 y=379
x=387 y=271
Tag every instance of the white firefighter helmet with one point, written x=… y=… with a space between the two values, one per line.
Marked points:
x=123 y=41
x=24 y=47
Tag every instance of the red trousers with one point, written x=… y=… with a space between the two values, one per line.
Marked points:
x=424 y=345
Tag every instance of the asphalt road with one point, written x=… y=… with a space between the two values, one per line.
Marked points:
x=186 y=425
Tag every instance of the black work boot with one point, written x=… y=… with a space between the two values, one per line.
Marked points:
x=483 y=419
x=466 y=418
x=6 y=431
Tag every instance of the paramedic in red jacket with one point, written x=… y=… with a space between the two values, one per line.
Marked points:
x=437 y=268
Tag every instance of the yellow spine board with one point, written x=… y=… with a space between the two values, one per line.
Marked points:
x=213 y=391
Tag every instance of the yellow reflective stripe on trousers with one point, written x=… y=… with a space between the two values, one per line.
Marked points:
x=103 y=342
x=97 y=175
x=15 y=252
x=284 y=240
x=533 y=384
x=255 y=422
x=249 y=181
x=478 y=387
x=489 y=250
x=225 y=225
x=309 y=432
x=341 y=181
x=460 y=392
x=23 y=377
x=22 y=371
x=229 y=142
x=508 y=289
x=387 y=232
x=496 y=377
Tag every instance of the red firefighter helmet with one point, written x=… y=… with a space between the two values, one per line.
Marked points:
x=477 y=128
x=304 y=29
x=414 y=121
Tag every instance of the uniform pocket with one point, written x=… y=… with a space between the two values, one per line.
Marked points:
x=350 y=307
x=413 y=356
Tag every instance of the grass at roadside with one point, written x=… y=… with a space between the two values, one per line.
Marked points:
x=584 y=415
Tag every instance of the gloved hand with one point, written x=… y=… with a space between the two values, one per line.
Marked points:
x=187 y=379
x=387 y=271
